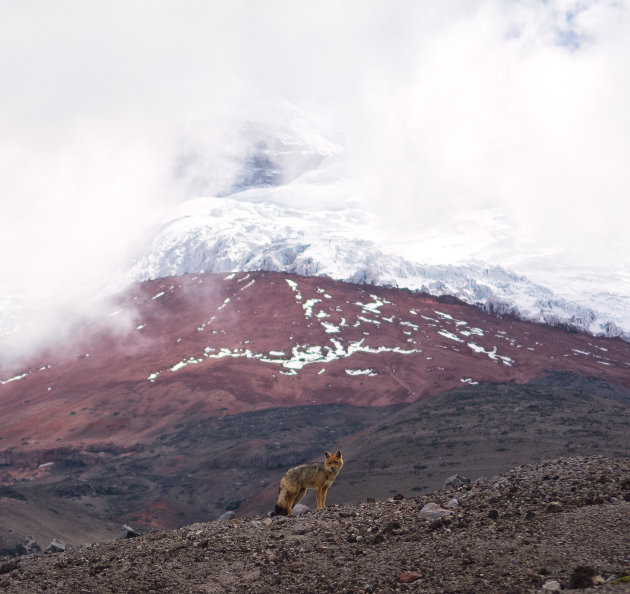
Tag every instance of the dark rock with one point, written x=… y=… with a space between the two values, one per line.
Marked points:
x=456 y=481
x=553 y=507
x=8 y=566
x=128 y=532
x=582 y=577
x=398 y=496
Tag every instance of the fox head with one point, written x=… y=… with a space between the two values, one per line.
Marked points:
x=333 y=462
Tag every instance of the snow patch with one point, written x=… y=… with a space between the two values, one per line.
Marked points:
x=368 y=372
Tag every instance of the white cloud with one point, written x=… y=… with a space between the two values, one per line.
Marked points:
x=443 y=106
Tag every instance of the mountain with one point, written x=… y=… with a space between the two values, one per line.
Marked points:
x=292 y=200
x=192 y=394
x=229 y=234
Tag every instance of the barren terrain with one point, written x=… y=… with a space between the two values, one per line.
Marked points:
x=559 y=524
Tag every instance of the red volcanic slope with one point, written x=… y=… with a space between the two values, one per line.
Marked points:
x=217 y=344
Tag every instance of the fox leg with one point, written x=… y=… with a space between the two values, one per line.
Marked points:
x=320 y=498
x=324 y=492
x=282 y=505
x=292 y=499
x=299 y=496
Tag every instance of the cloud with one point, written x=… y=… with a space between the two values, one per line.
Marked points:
x=442 y=106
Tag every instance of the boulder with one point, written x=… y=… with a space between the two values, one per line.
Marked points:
x=300 y=509
x=56 y=546
x=456 y=481
x=128 y=532
x=226 y=517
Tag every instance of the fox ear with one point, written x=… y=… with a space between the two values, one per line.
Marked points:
x=327 y=454
x=338 y=454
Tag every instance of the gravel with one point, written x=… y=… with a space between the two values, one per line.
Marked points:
x=561 y=523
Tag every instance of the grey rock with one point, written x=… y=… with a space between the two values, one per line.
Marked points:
x=226 y=517
x=56 y=546
x=455 y=481
x=453 y=504
x=551 y=586
x=300 y=509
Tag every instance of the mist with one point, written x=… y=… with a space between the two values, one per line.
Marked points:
x=439 y=107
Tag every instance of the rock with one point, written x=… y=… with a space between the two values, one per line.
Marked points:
x=56 y=546
x=8 y=566
x=398 y=496
x=300 y=509
x=128 y=532
x=31 y=545
x=371 y=500
x=551 y=586
x=456 y=481
x=432 y=511
x=554 y=507
x=453 y=504
x=409 y=577
x=226 y=517
x=582 y=577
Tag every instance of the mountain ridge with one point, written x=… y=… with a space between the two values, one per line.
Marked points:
x=274 y=367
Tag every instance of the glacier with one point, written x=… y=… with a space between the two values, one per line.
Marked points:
x=295 y=207
x=314 y=226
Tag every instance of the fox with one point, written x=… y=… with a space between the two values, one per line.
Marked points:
x=317 y=475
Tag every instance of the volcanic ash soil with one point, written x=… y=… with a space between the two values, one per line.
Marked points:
x=538 y=528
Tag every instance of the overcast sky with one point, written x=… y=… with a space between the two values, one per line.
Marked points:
x=442 y=105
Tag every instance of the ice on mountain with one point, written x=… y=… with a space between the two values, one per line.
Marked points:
x=364 y=319
x=249 y=284
x=14 y=379
x=449 y=335
x=579 y=352
x=444 y=315
x=313 y=224
x=492 y=354
x=368 y=372
x=308 y=307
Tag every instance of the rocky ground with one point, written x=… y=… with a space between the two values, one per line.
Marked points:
x=558 y=524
